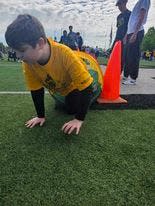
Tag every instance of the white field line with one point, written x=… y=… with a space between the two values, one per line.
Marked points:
x=8 y=65
x=17 y=92
x=14 y=92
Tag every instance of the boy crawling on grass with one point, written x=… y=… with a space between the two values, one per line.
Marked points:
x=54 y=66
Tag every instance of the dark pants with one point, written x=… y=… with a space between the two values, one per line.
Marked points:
x=123 y=56
x=132 y=56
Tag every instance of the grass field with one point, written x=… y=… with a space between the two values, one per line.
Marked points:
x=111 y=162
x=143 y=63
x=11 y=77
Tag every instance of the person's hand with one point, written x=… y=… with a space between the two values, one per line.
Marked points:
x=133 y=38
x=72 y=125
x=34 y=121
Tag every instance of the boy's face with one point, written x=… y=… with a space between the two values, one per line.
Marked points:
x=29 y=54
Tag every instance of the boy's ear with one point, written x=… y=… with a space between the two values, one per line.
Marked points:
x=41 y=42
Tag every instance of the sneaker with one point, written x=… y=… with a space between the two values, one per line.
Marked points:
x=124 y=78
x=129 y=82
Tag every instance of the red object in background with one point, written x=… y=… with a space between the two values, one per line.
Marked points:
x=111 y=79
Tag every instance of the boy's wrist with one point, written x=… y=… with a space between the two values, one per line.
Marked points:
x=41 y=117
x=80 y=117
x=79 y=120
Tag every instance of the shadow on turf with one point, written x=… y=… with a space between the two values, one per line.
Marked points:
x=135 y=101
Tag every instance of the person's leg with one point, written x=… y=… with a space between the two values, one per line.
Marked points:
x=67 y=103
x=124 y=59
x=135 y=49
x=133 y=56
x=97 y=88
x=122 y=56
x=127 y=58
x=59 y=101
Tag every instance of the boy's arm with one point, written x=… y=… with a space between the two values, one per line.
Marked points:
x=37 y=92
x=82 y=80
x=85 y=99
x=76 y=123
x=38 y=100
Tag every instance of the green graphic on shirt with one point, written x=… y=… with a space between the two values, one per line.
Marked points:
x=49 y=83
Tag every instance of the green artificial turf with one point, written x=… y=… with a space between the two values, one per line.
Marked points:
x=143 y=63
x=11 y=76
x=147 y=64
x=110 y=163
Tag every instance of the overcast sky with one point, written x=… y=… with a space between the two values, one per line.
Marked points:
x=92 y=18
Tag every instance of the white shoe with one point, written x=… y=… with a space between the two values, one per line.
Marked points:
x=124 y=78
x=129 y=82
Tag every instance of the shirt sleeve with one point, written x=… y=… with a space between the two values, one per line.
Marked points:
x=85 y=99
x=38 y=100
x=145 y=4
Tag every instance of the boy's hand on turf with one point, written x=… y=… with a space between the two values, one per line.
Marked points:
x=34 y=121
x=72 y=125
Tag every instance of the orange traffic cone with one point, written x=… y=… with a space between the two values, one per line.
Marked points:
x=111 y=82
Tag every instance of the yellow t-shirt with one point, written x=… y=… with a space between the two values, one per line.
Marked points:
x=63 y=73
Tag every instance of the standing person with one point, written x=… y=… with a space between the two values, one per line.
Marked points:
x=10 y=56
x=14 y=56
x=122 y=25
x=54 y=66
x=64 y=38
x=97 y=52
x=55 y=39
x=79 y=40
x=1 y=55
x=134 y=37
x=72 y=39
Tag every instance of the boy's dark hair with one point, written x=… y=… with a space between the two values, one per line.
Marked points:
x=25 y=29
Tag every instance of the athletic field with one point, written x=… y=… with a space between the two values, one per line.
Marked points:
x=111 y=162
